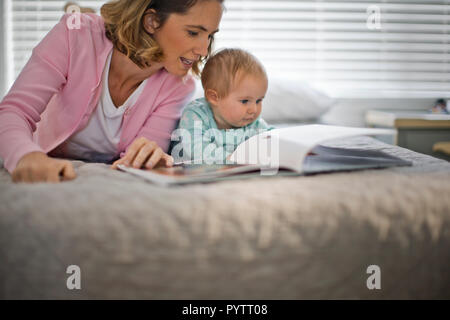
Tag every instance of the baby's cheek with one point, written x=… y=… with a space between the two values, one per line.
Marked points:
x=243 y=114
x=236 y=114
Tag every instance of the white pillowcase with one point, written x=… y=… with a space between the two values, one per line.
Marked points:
x=288 y=100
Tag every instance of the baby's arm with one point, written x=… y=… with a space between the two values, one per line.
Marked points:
x=257 y=127
x=262 y=125
x=197 y=140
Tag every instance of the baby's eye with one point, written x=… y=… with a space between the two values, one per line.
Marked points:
x=245 y=101
x=192 y=33
x=258 y=101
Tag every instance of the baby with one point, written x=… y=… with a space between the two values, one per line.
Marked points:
x=210 y=128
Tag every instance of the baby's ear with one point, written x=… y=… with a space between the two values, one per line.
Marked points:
x=212 y=96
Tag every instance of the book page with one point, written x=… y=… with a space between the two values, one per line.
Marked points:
x=188 y=173
x=288 y=147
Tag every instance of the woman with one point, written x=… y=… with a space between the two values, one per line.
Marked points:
x=111 y=87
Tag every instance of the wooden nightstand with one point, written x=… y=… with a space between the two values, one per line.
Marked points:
x=416 y=130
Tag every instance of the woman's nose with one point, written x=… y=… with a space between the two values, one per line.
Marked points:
x=202 y=48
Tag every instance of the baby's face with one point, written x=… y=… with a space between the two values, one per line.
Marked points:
x=243 y=104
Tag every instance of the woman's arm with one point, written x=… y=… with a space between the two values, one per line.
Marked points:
x=44 y=74
x=151 y=145
x=161 y=123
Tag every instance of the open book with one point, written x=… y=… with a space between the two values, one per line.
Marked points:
x=286 y=151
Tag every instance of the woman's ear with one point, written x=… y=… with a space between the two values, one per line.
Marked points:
x=150 y=21
x=212 y=96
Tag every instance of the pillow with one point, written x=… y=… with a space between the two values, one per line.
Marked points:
x=290 y=100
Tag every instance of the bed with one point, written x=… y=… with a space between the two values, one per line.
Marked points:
x=307 y=237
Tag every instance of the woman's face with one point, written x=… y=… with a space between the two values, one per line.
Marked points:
x=185 y=38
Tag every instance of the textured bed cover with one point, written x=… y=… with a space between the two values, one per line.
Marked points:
x=307 y=237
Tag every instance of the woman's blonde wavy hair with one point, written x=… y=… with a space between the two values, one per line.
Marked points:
x=124 y=27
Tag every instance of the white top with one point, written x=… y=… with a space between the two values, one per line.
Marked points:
x=98 y=141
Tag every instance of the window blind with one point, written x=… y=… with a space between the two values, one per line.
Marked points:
x=27 y=23
x=329 y=44
x=346 y=48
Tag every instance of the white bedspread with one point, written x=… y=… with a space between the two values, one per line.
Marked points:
x=261 y=238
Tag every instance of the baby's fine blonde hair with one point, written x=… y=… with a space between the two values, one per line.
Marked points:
x=226 y=68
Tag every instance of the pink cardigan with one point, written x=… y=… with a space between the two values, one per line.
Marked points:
x=60 y=85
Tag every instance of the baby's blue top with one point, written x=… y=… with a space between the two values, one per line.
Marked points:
x=202 y=141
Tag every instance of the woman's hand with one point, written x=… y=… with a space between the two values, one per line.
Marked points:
x=38 y=167
x=144 y=152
